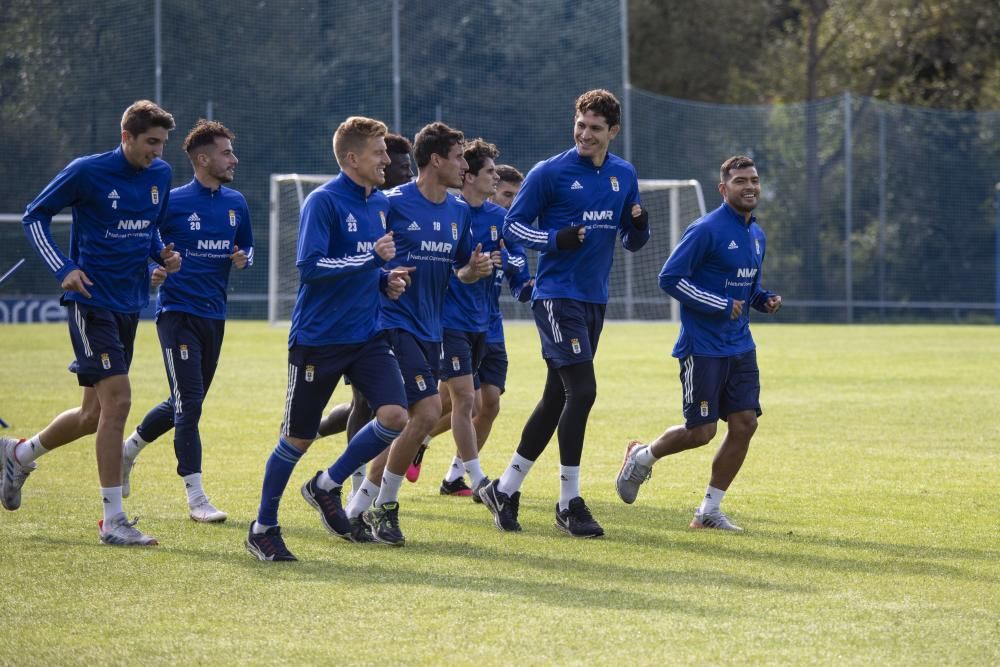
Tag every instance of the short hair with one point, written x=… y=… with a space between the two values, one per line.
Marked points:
x=601 y=102
x=476 y=152
x=434 y=139
x=733 y=163
x=353 y=133
x=204 y=133
x=142 y=115
x=398 y=145
x=509 y=174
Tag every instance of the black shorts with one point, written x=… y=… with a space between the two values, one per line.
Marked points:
x=715 y=387
x=462 y=352
x=569 y=330
x=493 y=367
x=103 y=341
x=418 y=361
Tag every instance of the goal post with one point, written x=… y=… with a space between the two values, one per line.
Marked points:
x=633 y=290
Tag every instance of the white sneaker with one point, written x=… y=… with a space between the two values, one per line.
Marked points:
x=714 y=519
x=119 y=531
x=127 y=465
x=206 y=512
x=632 y=474
x=12 y=474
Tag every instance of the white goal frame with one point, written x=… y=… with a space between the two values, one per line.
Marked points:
x=273 y=297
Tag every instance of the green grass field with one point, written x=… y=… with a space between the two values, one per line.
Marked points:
x=868 y=499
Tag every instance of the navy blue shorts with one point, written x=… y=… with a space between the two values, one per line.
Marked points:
x=103 y=341
x=418 y=361
x=462 y=352
x=191 y=348
x=715 y=387
x=493 y=367
x=313 y=374
x=569 y=330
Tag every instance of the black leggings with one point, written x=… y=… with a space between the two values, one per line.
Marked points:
x=566 y=401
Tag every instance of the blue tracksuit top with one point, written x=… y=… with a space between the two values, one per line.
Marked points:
x=567 y=190
x=719 y=258
x=515 y=272
x=340 y=274
x=434 y=238
x=205 y=227
x=467 y=305
x=116 y=210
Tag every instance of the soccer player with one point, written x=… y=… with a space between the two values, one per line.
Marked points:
x=343 y=247
x=350 y=417
x=491 y=374
x=715 y=273
x=432 y=230
x=582 y=199
x=210 y=225
x=118 y=200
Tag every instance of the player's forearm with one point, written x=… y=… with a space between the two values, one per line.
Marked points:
x=36 y=228
x=527 y=236
x=695 y=297
x=325 y=269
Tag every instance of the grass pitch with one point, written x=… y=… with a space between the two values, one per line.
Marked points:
x=868 y=500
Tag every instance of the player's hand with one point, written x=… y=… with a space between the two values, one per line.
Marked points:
x=773 y=304
x=171 y=258
x=481 y=263
x=399 y=280
x=239 y=258
x=385 y=247
x=496 y=257
x=524 y=296
x=77 y=281
x=570 y=238
x=157 y=277
x=640 y=217
x=737 y=309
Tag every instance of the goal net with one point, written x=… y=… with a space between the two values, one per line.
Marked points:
x=633 y=290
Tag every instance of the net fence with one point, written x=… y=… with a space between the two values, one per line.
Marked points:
x=873 y=211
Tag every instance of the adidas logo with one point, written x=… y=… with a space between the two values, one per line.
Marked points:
x=516 y=467
x=365 y=492
x=113 y=195
x=732 y=245
x=414 y=227
x=194 y=218
x=351 y=218
x=576 y=186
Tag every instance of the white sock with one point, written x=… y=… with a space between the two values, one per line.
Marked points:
x=713 y=497
x=426 y=442
x=29 y=450
x=456 y=471
x=569 y=485
x=325 y=482
x=513 y=477
x=644 y=456
x=133 y=445
x=259 y=528
x=358 y=478
x=362 y=499
x=475 y=471
x=195 y=491
x=389 y=491
x=112 y=498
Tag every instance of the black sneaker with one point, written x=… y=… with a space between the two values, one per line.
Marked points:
x=483 y=483
x=327 y=503
x=456 y=488
x=384 y=523
x=503 y=507
x=360 y=533
x=576 y=520
x=269 y=545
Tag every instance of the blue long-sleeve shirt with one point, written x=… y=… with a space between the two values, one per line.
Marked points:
x=205 y=227
x=568 y=190
x=339 y=272
x=719 y=259
x=434 y=238
x=116 y=211
x=516 y=274
x=467 y=305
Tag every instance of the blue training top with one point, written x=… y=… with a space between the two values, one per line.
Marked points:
x=568 y=190
x=205 y=227
x=718 y=259
x=467 y=305
x=340 y=273
x=116 y=210
x=434 y=238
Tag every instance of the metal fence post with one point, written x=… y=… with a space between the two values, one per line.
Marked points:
x=848 y=217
